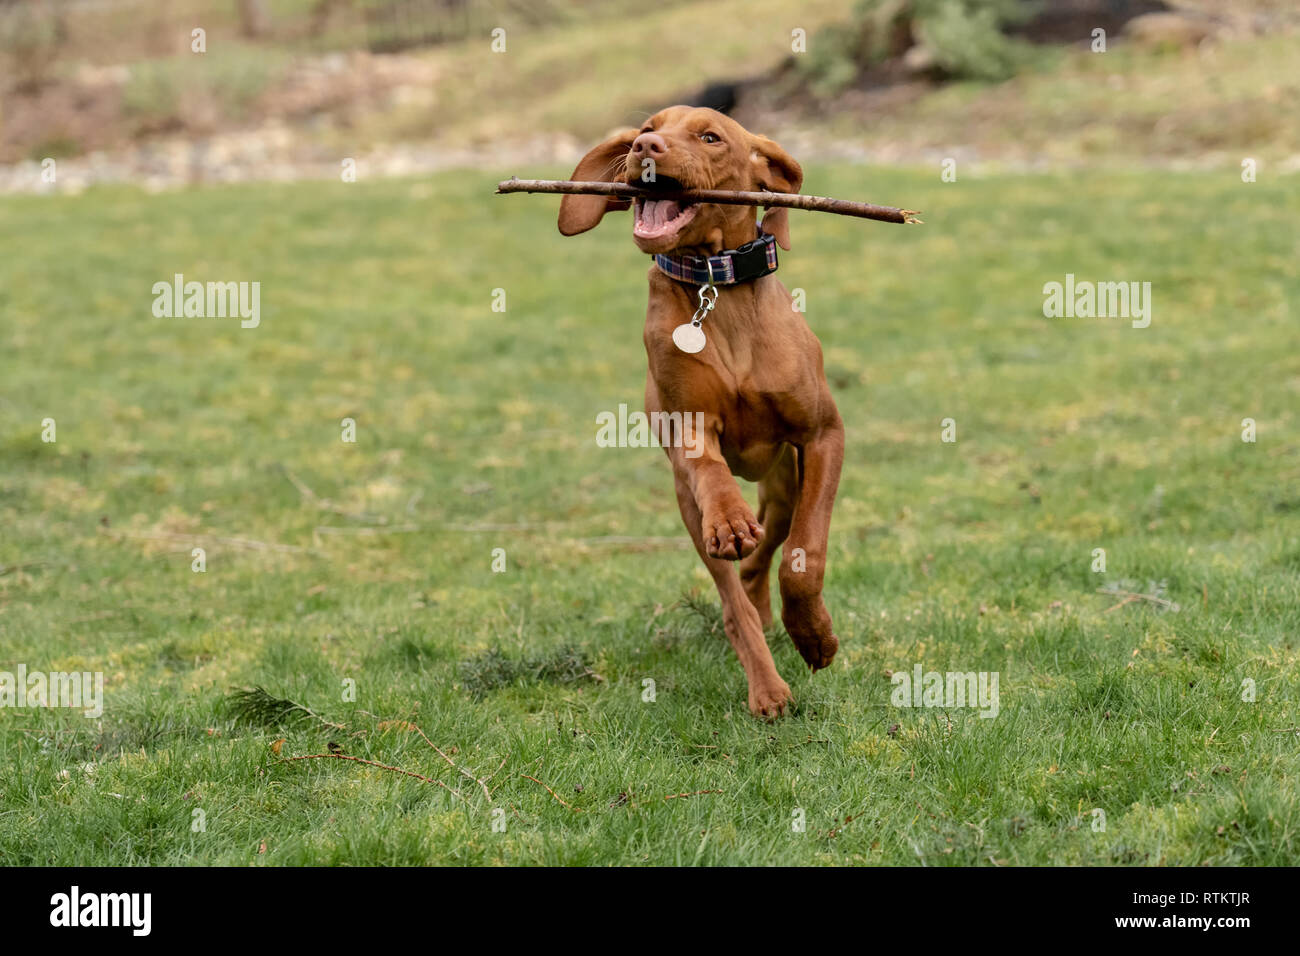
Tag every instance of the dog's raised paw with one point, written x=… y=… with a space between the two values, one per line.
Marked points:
x=731 y=535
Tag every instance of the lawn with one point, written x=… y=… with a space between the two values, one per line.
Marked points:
x=356 y=578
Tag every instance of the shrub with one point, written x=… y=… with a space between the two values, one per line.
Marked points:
x=955 y=39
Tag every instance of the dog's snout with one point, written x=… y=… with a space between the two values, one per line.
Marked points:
x=649 y=146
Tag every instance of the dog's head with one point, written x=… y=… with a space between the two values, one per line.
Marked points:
x=685 y=147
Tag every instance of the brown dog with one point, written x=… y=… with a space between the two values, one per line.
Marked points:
x=757 y=382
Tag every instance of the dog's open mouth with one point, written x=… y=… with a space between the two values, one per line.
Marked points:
x=662 y=218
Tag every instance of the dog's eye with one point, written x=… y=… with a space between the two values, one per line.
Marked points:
x=710 y=138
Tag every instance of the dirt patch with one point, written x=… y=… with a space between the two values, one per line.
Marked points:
x=111 y=108
x=63 y=119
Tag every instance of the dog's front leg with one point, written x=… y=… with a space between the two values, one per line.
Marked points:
x=803 y=562
x=768 y=693
x=727 y=525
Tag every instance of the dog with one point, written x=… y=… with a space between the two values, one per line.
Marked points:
x=748 y=368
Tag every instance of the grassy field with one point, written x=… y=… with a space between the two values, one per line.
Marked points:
x=1131 y=107
x=329 y=562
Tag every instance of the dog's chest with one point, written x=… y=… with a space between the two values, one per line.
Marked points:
x=761 y=348
x=757 y=373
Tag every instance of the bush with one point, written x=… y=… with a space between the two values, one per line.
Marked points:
x=31 y=36
x=954 y=39
x=967 y=40
x=183 y=90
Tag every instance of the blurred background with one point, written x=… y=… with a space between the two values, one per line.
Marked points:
x=113 y=90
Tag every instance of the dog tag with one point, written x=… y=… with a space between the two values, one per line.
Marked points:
x=688 y=337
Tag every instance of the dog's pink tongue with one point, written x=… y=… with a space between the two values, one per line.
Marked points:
x=660 y=211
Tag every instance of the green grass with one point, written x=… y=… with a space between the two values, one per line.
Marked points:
x=1131 y=106
x=476 y=430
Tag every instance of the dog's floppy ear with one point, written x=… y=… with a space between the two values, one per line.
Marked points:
x=604 y=164
x=776 y=171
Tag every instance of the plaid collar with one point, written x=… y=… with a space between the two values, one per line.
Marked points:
x=755 y=258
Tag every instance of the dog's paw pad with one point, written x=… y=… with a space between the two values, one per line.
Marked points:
x=732 y=536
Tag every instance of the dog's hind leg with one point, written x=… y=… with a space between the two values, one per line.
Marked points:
x=803 y=563
x=778 y=491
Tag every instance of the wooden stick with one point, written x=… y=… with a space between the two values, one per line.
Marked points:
x=372 y=763
x=841 y=207
x=554 y=794
x=1130 y=596
x=486 y=792
x=674 y=796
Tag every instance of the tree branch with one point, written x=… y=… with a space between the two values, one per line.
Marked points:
x=841 y=207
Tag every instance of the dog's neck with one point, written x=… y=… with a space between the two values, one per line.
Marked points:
x=738 y=319
x=722 y=267
x=732 y=234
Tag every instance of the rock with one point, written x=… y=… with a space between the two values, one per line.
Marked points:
x=919 y=59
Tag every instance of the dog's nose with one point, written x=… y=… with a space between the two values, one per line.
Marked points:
x=649 y=145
